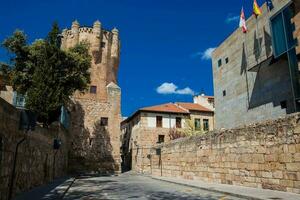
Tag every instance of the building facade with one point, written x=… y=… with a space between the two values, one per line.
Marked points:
x=256 y=74
x=152 y=125
x=96 y=114
x=204 y=100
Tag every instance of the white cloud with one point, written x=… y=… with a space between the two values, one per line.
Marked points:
x=171 y=88
x=206 y=55
x=230 y=18
x=185 y=91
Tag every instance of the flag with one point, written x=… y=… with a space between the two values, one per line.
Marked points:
x=256 y=9
x=270 y=4
x=243 y=22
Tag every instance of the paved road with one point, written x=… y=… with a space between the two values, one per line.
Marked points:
x=128 y=186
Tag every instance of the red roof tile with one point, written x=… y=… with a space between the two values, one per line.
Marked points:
x=168 y=108
x=194 y=107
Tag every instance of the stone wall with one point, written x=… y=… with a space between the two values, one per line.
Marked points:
x=265 y=155
x=37 y=162
x=96 y=147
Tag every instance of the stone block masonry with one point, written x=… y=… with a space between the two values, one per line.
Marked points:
x=264 y=155
x=96 y=113
x=37 y=161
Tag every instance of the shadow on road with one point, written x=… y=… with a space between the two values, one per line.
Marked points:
x=51 y=191
x=133 y=188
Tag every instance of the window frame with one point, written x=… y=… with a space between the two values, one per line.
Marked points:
x=205 y=124
x=280 y=12
x=219 y=62
x=178 y=122
x=161 y=139
x=104 y=121
x=226 y=60
x=159 y=121
x=197 y=128
x=93 y=91
x=224 y=93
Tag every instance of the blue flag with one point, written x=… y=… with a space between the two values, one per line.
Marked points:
x=270 y=4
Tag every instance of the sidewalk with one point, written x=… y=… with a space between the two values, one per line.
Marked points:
x=52 y=191
x=238 y=191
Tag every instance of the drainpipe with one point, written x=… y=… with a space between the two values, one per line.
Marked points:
x=13 y=175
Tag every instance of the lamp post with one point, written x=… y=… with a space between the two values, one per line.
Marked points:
x=27 y=123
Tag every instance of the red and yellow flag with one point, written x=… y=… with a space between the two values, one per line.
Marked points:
x=256 y=9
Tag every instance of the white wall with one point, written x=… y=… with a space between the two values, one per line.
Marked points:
x=203 y=101
x=169 y=121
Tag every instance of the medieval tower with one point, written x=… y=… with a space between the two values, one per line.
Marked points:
x=95 y=114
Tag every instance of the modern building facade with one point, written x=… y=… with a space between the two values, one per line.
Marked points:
x=152 y=125
x=256 y=74
x=96 y=114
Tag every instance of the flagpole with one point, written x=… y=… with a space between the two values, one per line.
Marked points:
x=246 y=69
x=257 y=34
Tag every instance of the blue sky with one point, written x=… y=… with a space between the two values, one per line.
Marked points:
x=163 y=41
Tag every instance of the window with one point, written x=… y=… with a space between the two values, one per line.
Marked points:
x=178 y=122
x=102 y=44
x=227 y=60
x=219 y=62
x=93 y=89
x=161 y=139
x=282 y=32
x=283 y=105
x=197 y=124
x=18 y=100
x=158 y=121
x=224 y=93
x=205 y=124
x=104 y=121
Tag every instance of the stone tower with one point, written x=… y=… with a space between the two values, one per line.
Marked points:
x=95 y=114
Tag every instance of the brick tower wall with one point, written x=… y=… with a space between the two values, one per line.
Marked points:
x=95 y=144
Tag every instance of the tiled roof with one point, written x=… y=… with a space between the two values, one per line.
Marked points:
x=167 y=108
x=193 y=107
x=179 y=108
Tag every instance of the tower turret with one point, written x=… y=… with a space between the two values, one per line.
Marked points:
x=75 y=32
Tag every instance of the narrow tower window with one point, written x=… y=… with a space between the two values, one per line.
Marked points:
x=93 y=89
x=219 y=62
x=104 y=121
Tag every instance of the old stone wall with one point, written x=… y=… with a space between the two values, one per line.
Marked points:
x=37 y=161
x=264 y=155
x=95 y=147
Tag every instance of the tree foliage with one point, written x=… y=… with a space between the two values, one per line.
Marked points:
x=45 y=74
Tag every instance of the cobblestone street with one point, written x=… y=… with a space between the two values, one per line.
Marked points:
x=135 y=187
x=125 y=186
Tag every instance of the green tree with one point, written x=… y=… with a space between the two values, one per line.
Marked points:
x=45 y=74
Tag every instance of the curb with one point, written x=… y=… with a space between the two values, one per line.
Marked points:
x=209 y=189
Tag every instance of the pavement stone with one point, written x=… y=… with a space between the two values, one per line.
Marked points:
x=238 y=191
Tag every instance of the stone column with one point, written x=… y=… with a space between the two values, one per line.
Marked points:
x=114 y=98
